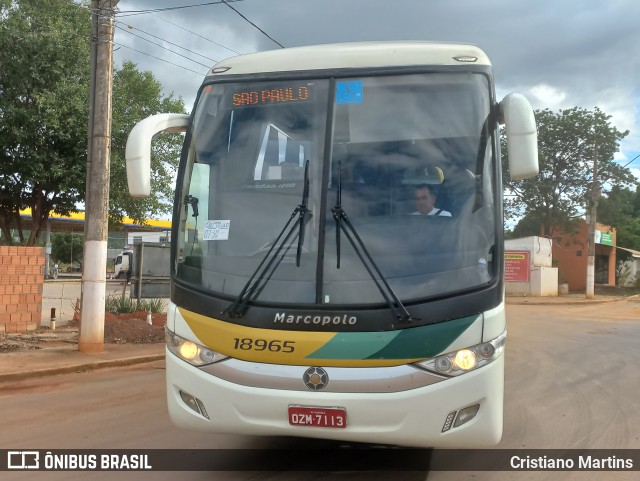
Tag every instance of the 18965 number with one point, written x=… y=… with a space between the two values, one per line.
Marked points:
x=248 y=344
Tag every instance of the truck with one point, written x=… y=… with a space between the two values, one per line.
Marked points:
x=122 y=264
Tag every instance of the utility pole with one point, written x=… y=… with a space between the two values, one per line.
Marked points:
x=96 y=227
x=591 y=261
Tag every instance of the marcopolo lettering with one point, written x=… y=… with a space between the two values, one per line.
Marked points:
x=318 y=320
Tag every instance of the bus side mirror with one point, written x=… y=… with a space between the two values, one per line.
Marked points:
x=522 y=136
x=138 y=150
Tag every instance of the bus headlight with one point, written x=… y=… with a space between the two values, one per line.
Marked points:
x=467 y=359
x=191 y=352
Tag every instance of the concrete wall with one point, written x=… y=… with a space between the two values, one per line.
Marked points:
x=630 y=271
x=62 y=295
x=544 y=281
x=543 y=278
x=540 y=249
x=21 y=281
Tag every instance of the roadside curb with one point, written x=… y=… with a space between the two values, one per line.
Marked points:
x=558 y=301
x=534 y=302
x=83 y=367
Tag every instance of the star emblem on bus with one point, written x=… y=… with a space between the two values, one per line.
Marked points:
x=315 y=378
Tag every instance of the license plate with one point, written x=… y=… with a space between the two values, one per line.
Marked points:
x=317 y=416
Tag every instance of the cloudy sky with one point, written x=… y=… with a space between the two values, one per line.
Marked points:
x=559 y=53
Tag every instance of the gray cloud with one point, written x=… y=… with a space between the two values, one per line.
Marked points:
x=558 y=53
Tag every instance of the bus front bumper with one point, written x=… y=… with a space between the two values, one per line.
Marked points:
x=416 y=417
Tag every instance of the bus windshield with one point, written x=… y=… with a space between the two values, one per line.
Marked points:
x=408 y=158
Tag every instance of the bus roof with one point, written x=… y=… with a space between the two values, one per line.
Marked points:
x=351 y=55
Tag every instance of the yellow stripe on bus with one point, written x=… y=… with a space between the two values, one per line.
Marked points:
x=271 y=346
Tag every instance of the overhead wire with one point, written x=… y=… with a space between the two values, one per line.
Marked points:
x=631 y=161
x=198 y=35
x=120 y=15
x=131 y=27
x=253 y=24
x=163 y=47
x=129 y=13
x=99 y=11
x=157 y=58
x=91 y=10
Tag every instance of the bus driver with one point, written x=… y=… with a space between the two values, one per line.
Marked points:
x=425 y=202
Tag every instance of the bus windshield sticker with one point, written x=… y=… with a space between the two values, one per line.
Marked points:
x=349 y=92
x=216 y=230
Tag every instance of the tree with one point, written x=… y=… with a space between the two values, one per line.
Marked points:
x=568 y=142
x=137 y=95
x=44 y=53
x=44 y=90
x=621 y=209
x=67 y=247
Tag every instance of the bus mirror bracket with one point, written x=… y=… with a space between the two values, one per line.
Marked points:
x=138 y=149
x=522 y=136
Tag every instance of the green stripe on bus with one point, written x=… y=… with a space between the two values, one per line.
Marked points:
x=354 y=345
x=425 y=341
x=414 y=343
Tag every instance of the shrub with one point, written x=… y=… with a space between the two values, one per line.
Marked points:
x=117 y=304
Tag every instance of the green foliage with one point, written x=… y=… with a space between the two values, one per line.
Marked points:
x=154 y=305
x=120 y=305
x=44 y=54
x=530 y=225
x=67 y=247
x=568 y=143
x=44 y=109
x=137 y=95
x=621 y=209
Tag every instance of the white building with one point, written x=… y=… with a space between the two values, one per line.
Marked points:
x=528 y=267
x=132 y=238
x=629 y=275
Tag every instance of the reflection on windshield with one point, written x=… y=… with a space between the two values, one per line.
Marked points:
x=392 y=137
x=249 y=147
x=415 y=133
x=275 y=254
x=343 y=224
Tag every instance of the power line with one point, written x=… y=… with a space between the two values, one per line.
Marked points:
x=161 y=46
x=249 y=21
x=187 y=30
x=158 y=58
x=88 y=39
x=631 y=161
x=198 y=35
x=129 y=13
x=131 y=27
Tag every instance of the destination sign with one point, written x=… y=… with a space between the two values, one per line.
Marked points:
x=270 y=96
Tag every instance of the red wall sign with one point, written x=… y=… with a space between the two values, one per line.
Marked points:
x=516 y=266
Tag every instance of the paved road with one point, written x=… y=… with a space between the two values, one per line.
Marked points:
x=571 y=382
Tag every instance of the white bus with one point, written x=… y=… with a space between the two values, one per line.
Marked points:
x=308 y=298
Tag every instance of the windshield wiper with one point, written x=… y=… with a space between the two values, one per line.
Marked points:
x=304 y=212
x=343 y=224
x=272 y=260
x=193 y=201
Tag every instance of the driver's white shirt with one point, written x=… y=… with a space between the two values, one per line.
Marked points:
x=435 y=211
